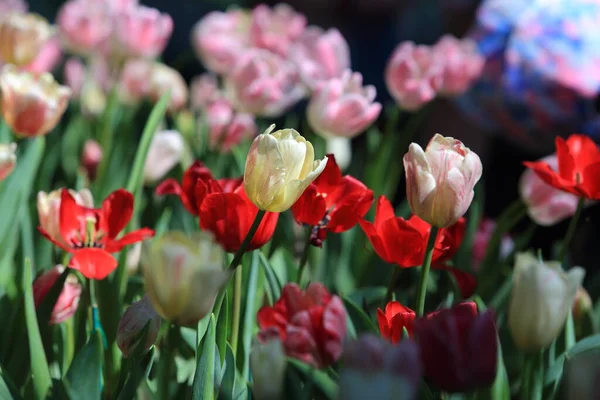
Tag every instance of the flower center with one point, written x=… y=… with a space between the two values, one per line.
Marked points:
x=91 y=237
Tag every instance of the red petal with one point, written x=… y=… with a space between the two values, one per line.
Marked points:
x=467 y=283
x=566 y=160
x=224 y=215
x=116 y=212
x=376 y=240
x=113 y=246
x=449 y=241
x=168 y=186
x=384 y=327
x=395 y=307
x=330 y=178
x=229 y=185
x=72 y=218
x=583 y=150
x=93 y=263
x=548 y=175
x=310 y=208
x=354 y=202
x=405 y=244
x=383 y=212
x=265 y=230
x=50 y=238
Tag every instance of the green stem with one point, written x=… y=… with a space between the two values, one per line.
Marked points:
x=569 y=331
x=237 y=306
x=570 y=231
x=304 y=259
x=237 y=259
x=422 y=293
x=164 y=377
x=391 y=285
x=526 y=377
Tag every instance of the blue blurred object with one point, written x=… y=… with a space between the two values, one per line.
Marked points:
x=542 y=74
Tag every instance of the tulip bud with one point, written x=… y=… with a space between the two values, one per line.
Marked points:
x=275 y=29
x=165 y=152
x=461 y=64
x=31 y=104
x=85 y=26
x=267 y=365
x=183 y=275
x=542 y=296
x=48 y=206
x=67 y=301
x=582 y=304
x=279 y=167
x=143 y=31
x=132 y=324
x=440 y=180
x=91 y=157
x=8 y=159
x=22 y=37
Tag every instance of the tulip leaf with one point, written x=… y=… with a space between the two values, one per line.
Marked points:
x=204 y=380
x=320 y=379
x=233 y=385
x=139 y=371
x=83 y=379
x=201 y=329
x=8 y=390
x=584 y=345
x=39 y=364
x=361 y=321
x=272 y=279
x=250 y=313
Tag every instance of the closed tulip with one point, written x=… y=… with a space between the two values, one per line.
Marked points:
x=542 y=296
x=143 y=31
x=279 y=167
x=132 y=324
x=85 y=26
x=268 y=364
x=22 y=37
x=183 y=276
x=68 y=299
x=441 y=179
x=275 y=29
x=8 y=159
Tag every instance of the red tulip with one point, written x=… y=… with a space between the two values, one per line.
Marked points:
x=332 y=202
x=67 y=301
x=393 y=321
x=229 y=216
x=578 y=167
x=90 y=234
x=403 y=242
x=311 y=324
x=459 y=347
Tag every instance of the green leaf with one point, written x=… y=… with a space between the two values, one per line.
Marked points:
x=223 y=325
x=272 y=279
x=228 y=382
x=250 y=313
x=500 y=389
x=139 y=372
x=39 y=364
x=204 y=380
x=83 y=379
x=361 y=321
x=8 y=390
x=321 y=380
x=584 y=345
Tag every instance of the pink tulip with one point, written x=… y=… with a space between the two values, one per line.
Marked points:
x=461 y=63
x=134 y=83
x=67 y=301
x=47 y=59
x=482 y=239
x=342 y=106
x=85 y=26
x=413 y=76
x=264 y=84
x=320 y=55
x=277 y=28
x=226 y=127
x=91 y=157
x=545 y=204
x=7 y=6
x=143 y=31
x=204 y=90
x=220 y=37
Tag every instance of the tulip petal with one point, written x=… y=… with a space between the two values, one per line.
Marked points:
x=93 y=263
x=71 y=217
x=114 y=246
x=116 y=212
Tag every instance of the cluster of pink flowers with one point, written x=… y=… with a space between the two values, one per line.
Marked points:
x=416 y=74
x=269 y=59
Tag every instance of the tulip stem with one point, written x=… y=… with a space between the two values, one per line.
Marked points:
x=237 y=259
x=570 y=231
x=422 y=290
x=237 y=306
x=304 y=259
x=391 y=286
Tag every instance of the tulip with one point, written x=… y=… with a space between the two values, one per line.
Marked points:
x=320 y=56
x=277 y=28
x=541 y=298
x=7 y=6
x=279 y=167
x=343 y=107
x=267 y=365
x=459 y=348
x=374 y=369
x=204 y=90
x=394 y=320
x=413 y=76
x=22 y=37
x=68 y=299
x=582 y=304
x=227 y=128
x=8 y=159
x=47 y=59
x=311 y=324
x=165 y=152
x=31 y=105
x=482 y=238
x=440 y=180
x=546 y=205
x=85 y=26
x=220 y=37
x=264 y=84
x=461 y=64
x=91 y=156
x=143 y=31
x=131 y=325
x=183 y=276
x=48 y=207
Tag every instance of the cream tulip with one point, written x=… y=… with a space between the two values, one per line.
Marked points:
x=279 y=167
x=440 y=180
x=541 y=298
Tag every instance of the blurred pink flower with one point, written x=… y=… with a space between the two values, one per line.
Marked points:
x=264 y=84
x=320 y=55
x=277 y=28
x=220 y=37
x=226 y=127
x=461 y=64
x=413 y=76
x=165 y=152
x=342 y=106
x=47 y=59
x=143 y=31
x=546 y=205
x=85 y=26
x=67 y=301
x=481 y=240
x=91 y=157
x=12 y=5
x=204 y=90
